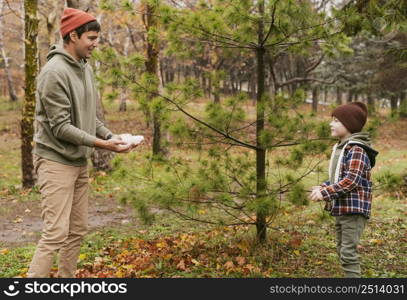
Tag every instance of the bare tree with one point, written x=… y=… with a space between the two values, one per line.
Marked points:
x=5 y=58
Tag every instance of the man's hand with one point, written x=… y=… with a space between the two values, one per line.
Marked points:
x=316 y=194
x=132 y=146
x=114 y=144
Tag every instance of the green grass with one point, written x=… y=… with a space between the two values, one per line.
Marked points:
x=15 y=261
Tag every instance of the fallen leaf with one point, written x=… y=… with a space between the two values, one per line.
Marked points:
x=240 y=260
x=181 y=265
x=229 y=265
x=243 y=245
x=375 y=242
x=162 y=245
x=249 y=267
x=295 y=242
x=82 y=256
x=18 y=220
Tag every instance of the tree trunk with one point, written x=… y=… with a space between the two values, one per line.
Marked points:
x=253 y=87
x=73 y=3
x=350 y=96
x=216 y=86
x=393 y=105
x=326 y=94
x=315 y=98
x=152 y=51
x=123 y=98
x=403 y=106
x=31 y=71
x=338 y=96
x=100 y=157
x=261 y=189
x=203 y=79
x=123 y=94
x=178 y=74
x=52 y=37
x=10 y=82
x=356 y=97
x=162 y=77
x=209 y=84
x=7 y=70
x=371 y=103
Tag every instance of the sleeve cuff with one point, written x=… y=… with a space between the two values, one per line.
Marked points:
x=89 y=140
x=325 y=195
x=103 y=132
x=325 y=183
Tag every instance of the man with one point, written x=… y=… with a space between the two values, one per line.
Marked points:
x=66 y=130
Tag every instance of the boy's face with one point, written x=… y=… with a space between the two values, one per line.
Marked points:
x=85 y=45
x=338 y=129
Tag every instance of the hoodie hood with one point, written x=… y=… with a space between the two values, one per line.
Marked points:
x=363 y=140
x=58 y=50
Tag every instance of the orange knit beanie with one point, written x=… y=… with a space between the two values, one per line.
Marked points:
x=74 y=18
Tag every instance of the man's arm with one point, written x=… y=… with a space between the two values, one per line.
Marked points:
x=57 y=106
x=102 y=131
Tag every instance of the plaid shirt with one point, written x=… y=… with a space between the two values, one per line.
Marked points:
x=352 y=194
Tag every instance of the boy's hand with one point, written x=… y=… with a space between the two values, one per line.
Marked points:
x=316 y=194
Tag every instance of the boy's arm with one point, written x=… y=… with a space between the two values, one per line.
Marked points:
x=353 y=174
x=325 y=183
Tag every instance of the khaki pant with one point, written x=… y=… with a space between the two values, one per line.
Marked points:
x=64 y=202
x=349 y=229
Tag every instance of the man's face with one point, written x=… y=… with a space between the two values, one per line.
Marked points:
x=85 y=45
x=337 y=128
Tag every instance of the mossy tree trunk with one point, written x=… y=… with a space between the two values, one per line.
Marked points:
x=28 y=109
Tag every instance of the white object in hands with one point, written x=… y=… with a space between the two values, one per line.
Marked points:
x=131 y=139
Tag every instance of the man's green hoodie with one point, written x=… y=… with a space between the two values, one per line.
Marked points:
x=65 y=115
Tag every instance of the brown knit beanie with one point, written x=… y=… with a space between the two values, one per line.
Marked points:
x=352 y=115
x=74 y=18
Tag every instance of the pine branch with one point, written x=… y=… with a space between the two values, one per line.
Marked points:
x=205 y=221
x=298 y=143
x=273 y=19
x=304 y=79
x=226 y=135
x=314 y=65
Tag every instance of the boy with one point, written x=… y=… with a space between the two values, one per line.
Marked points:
x=348 y=193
